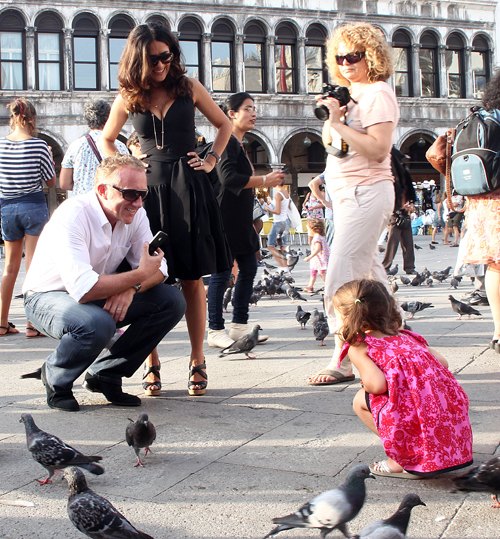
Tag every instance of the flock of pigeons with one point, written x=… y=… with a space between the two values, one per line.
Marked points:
x=97 y=518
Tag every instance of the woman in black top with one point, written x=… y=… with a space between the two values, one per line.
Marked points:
x=237 y=178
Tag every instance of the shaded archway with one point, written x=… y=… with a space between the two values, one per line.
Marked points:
x=415 y=146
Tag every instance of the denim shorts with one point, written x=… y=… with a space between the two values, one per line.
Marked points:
x=23 y=216
x=280 y=227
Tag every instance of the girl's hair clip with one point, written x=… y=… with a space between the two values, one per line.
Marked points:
x=357 y=300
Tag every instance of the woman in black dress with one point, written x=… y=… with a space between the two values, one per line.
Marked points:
x=161 y=101
x=236 y=198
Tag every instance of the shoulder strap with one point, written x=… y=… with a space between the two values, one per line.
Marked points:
x=450 y=136
x=91 y=142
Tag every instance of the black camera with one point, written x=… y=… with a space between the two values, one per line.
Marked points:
x=338 y=92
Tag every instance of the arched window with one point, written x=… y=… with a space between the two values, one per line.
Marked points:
x=49 y=66
x=403 y=83
x=285 y=58
x=119 y=27
x=190 y=41
x=480 y=60
x=455 y=66
x=159 y=19
x=428 y=59
x=254 y=57
x=86 y=52
x=222 y=57
x=317 y=75
x=12 y=51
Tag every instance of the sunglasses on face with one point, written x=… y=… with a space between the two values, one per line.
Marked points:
x=350 y=58
x=131 y=195
x=164 y=58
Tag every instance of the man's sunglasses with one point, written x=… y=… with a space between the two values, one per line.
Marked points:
x=164 y=58
x=131 y=195
x=351 y=58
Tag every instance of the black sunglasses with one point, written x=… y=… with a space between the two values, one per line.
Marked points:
x=164 y=58
x=131 y=195
x=352 y=58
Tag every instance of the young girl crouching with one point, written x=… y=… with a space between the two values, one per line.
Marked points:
x=409 y=397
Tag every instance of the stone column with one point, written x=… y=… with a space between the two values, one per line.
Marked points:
x=468 y=75
x=207 y=61
x=239 y=62
x=443 y=72
x=68 y=59
x=415 y=71
x=271 y=66
x=301 y=65
x=103 y=60
x=30 y=58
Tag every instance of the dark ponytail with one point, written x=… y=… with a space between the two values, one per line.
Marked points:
x=234 y=102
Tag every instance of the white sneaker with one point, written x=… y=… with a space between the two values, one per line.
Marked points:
x=218 y=338
x=238 y=330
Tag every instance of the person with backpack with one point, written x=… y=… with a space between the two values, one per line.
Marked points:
x=482 y=242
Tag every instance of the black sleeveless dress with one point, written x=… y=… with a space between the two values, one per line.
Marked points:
x=181 y=201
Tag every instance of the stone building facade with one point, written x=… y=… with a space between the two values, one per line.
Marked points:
x=63 y=53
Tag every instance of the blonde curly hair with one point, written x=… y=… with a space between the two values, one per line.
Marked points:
x=365 y=38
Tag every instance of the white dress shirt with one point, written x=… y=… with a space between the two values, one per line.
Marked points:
x=78 y=244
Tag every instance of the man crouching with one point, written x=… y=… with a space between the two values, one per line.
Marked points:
x=72 y=292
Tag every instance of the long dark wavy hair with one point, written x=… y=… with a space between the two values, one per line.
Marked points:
x=365 y=304
x=491 y=96
x=135 y=67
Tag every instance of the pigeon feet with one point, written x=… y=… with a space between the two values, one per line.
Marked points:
x=48 y=480
x=139 y=463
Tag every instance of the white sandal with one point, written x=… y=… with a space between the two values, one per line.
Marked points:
x=382 y=468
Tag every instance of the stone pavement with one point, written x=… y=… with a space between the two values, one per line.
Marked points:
x=258 y=444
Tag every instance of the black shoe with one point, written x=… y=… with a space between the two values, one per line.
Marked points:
x=477 y=299
x=59 y=400
x=113 y=392
x=435 y=242
x=414 y=272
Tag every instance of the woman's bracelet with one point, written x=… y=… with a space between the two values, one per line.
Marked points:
x=264 y=178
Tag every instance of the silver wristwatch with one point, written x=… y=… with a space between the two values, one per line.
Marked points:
x=137 y=287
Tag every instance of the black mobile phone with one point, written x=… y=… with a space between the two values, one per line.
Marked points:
x=286 y=170
x=159 y=238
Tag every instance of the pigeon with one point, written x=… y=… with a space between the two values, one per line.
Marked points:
x=432 y=247
x=440 y=277
x=37 y=374
x=227 y=298
x=483 y=478
x=462 y=308
x=454 y=283
x=446 y=271
x=320 y=328
x=429 y=282
x=254 y=299
x=394 y=287
x=53 y=454
x=418 y=280
x=271 y=290
x=393 y=271
x=405 y=280
x=291 y=261
x=294 y=294
x=93 y=515
x=244 y=345
x=332 y=509
x=413 y=307
x=139 y=434
x=417 y=246
x=394 y=527
x=269 y=266
x=302 y=317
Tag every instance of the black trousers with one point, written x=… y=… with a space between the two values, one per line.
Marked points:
x=397 y=236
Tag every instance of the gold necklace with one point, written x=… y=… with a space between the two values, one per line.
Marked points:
x=158 y=147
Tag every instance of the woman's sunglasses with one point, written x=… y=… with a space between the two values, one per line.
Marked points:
x=351 y=58
x=164 y=58
x=131 y=195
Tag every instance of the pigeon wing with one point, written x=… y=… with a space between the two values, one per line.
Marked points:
x=51 y=452
x=382 y=532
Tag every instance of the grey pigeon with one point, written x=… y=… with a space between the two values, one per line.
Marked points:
x=315 y=316
x=405 y=280
x=413 y=307
x=320 y=329
x=462 y=308
x=227 y=298
x=483 y=478
x=302 y=317
x=432 y=247
x=291 y=261
x=429 y=282
x=269 y=266
x=454 y=283
x=93 y=515
x=53 y=454
x=332 y=509
x=417 y=246
x=294 y=294
x=254 y=299
x=140 y=434
x=393 y=271
x=244 y=345
x=395 y=526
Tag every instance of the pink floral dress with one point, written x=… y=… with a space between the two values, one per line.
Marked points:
x=423 y=418
x=320 y=261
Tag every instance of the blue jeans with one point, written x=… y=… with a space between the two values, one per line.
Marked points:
x=84 y=329
x=279 y=227
x=247 y=268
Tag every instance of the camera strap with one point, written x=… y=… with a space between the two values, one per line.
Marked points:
x=338 y=152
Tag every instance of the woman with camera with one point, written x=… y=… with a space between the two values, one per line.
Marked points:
x=358 y=138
